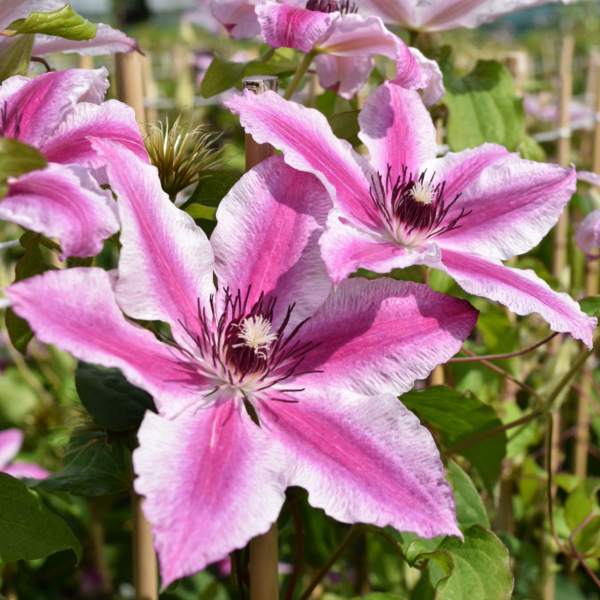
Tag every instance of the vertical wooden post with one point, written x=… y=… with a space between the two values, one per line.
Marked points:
x=264 y=550
x=150 y=89
x=582 y=434
x=130 y=85
x=130 y=90
x=145 y=572
x=517 y=62
x=85 y=62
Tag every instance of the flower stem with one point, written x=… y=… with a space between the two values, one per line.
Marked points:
x=299 y=551
x=355 y=532
x=306 y=61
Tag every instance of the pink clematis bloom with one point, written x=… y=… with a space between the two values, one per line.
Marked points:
x=271 y=379
x=11 y=441
x=345 y=42
x=56 y=113
x=443 y=15
x=107 y=40
x=587 y=235
x=463 y=214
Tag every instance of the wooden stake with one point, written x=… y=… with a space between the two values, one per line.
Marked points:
x=517 y=62
x=264 y=549
x=150 y=89
x=596 y=149
x=145 y=573
x=85 y=62
x=130 y=86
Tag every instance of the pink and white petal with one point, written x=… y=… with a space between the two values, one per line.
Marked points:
x=393 y=12
x=397 y=129
x=24 y=469
x=589 y=177
x=111 y=120
x=267 y=238
x=65 y=202
x=587 y=236
x=346 y=248
x=445 y=15
x=237 y=16
x=435 y=90
x=308 y=144
x=286 y=26
x=11 y=441
x=513 y=205
x=355 y=35
x=522 y=291
x=166 y=262
x=212 y=480
x=107 y=41
x=364 y=459
x=33 y=112
x=345 y=75
x=79 y=314
x=11 y=10
x=381 y=336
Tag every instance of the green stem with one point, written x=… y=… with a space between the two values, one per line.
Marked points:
x=355 y=532
x=306 y=61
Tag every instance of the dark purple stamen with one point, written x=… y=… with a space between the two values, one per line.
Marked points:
x=395 y=201
x=220 y=344
x=329 y=6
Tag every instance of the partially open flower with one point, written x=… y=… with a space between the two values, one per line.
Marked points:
x=182 y=154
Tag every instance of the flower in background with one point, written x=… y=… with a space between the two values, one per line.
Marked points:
x=271 y=380
x=462 y=214
x=56 y=113
x=344 y=42
x=443 y=15
x=587 y=235
x=107 y=40
x=11 y=441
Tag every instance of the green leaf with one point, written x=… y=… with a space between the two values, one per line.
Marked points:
x=459 y=417
x=345 y=126
x=581 y=502
x=64 y=23
x=481 y=568
x=28 y=529
x=223 y=74
x=32 y=263
x=17 y=158
x=15 y=56
x=110 y=399
x=590 y=305
x=483 y=107
x=531 y=150
x=93 y=465
x=197 y=211
x=469 y=507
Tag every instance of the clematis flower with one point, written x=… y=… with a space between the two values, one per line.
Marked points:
x=344 y=42
x=271 y=379
x=443 y=15
x=107 y=40
x=11 y=441
x=587 y=236
x=56 y=113
x=463 y=214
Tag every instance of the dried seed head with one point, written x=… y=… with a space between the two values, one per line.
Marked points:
x=182 y=154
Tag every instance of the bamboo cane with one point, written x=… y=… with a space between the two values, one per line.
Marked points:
x=263 y=565
x=85 y=62
x=130 y=86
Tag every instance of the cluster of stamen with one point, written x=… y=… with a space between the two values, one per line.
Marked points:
x=5 y=125
x=414 y=208
x=328 y=6
x=235 y=347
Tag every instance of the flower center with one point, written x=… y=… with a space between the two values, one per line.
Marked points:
x=329 y=6
x=236 y=348
x=414 y=209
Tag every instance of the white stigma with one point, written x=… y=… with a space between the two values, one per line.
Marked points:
x=256 y=333
x=423 y=192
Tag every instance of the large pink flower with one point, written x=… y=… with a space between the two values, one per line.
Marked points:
x=442 y=15
x=345 y=42
x=463 y=213
x=11 y=441
x=271 y=380
x=56 y=113
x=107 y=40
